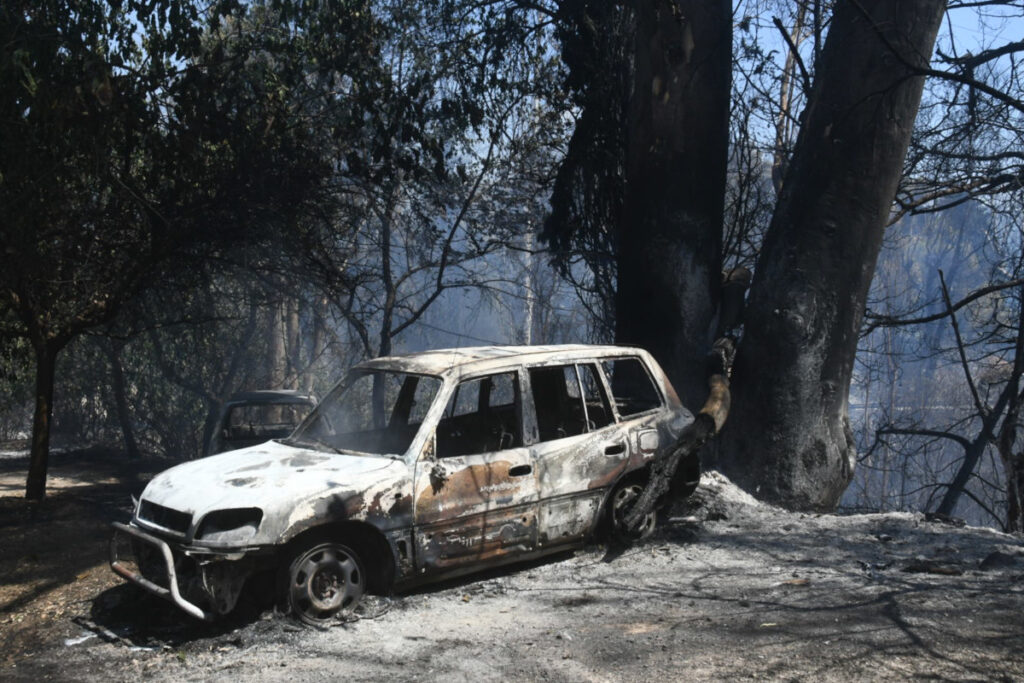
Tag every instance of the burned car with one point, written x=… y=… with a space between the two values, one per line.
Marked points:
x=413 y=468
x=253 y=417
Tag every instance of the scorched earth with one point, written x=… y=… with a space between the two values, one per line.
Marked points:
x=727 y=588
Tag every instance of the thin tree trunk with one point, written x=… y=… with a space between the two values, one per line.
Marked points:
x=293 y=344
x=669 y=247
x=972 y=456
x=277 y=361
x=210 y=425
x=1013 y=466
x=317 y=344
x=783 y=124
x=46 y=362
x=788 y=439
x=124 y=416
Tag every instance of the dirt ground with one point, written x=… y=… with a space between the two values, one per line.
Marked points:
x=726 y=589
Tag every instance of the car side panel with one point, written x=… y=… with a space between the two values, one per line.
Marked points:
x=574 y=474
x=474 y=508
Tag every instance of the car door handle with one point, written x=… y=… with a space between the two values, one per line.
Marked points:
x=520 y=470
x=615 y=449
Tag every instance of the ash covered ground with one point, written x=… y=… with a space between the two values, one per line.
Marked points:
x=727 y=588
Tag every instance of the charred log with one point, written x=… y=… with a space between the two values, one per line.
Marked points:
x=706 y=424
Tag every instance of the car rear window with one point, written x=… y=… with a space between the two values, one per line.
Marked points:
x=633 y=389
x=559 y=404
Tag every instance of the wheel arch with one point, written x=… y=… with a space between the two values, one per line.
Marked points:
x=640 y=475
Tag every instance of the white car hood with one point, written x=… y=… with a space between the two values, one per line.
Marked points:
x=279 y=479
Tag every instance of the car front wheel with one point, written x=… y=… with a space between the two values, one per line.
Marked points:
x=323 y=580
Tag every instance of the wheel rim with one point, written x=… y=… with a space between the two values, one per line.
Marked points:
x=324 y=581
x=622 y=503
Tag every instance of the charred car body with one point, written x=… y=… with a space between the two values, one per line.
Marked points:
x=413 y=468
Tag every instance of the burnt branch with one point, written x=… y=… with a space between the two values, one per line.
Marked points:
x=706 y=424
x=892 y=321
x=982 y=408
x=804 y=75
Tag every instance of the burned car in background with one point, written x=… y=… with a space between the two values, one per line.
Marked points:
x=253 y=417
x=413 y=468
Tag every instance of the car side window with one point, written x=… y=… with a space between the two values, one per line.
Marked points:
x=558 y=400
x=598 y=413
x=482 y=416
x=633 y=389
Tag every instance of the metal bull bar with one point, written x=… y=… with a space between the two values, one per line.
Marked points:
x=172 y=592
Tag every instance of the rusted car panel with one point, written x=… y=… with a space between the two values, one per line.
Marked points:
x=474 y=508
x=415 y=467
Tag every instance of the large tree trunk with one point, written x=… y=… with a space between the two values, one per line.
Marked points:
x=788 y=439
x=669 y=246
x=46 y=363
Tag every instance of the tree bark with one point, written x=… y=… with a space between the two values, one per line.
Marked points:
x=788 y=439
x=669 y=246
x=46 y=362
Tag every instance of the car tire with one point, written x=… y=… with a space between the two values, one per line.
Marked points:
x=621 y=502
x=322 y=580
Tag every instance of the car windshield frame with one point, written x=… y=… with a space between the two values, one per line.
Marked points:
x=388 y=429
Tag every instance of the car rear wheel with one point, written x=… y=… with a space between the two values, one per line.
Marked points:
x=323 y=581
x=622 y=500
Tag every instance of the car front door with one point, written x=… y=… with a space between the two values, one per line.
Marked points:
x=476 y=494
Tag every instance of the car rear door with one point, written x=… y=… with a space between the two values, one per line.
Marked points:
x=579 y=449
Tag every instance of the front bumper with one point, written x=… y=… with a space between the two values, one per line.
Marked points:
x=172 y=592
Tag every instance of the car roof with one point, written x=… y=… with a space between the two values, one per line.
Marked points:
x=283 y=396
x=480 y=358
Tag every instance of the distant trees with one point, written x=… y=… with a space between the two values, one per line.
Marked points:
x=946 y=437
x=119 y=161
x=225 y=187
x=445 y=168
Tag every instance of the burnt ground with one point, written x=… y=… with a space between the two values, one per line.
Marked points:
x=725 y=589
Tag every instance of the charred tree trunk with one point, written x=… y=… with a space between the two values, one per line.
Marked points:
x=1010 y=452
x=669 y=246
x=1013 y=466
x=788 y=439
x=46 y=363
